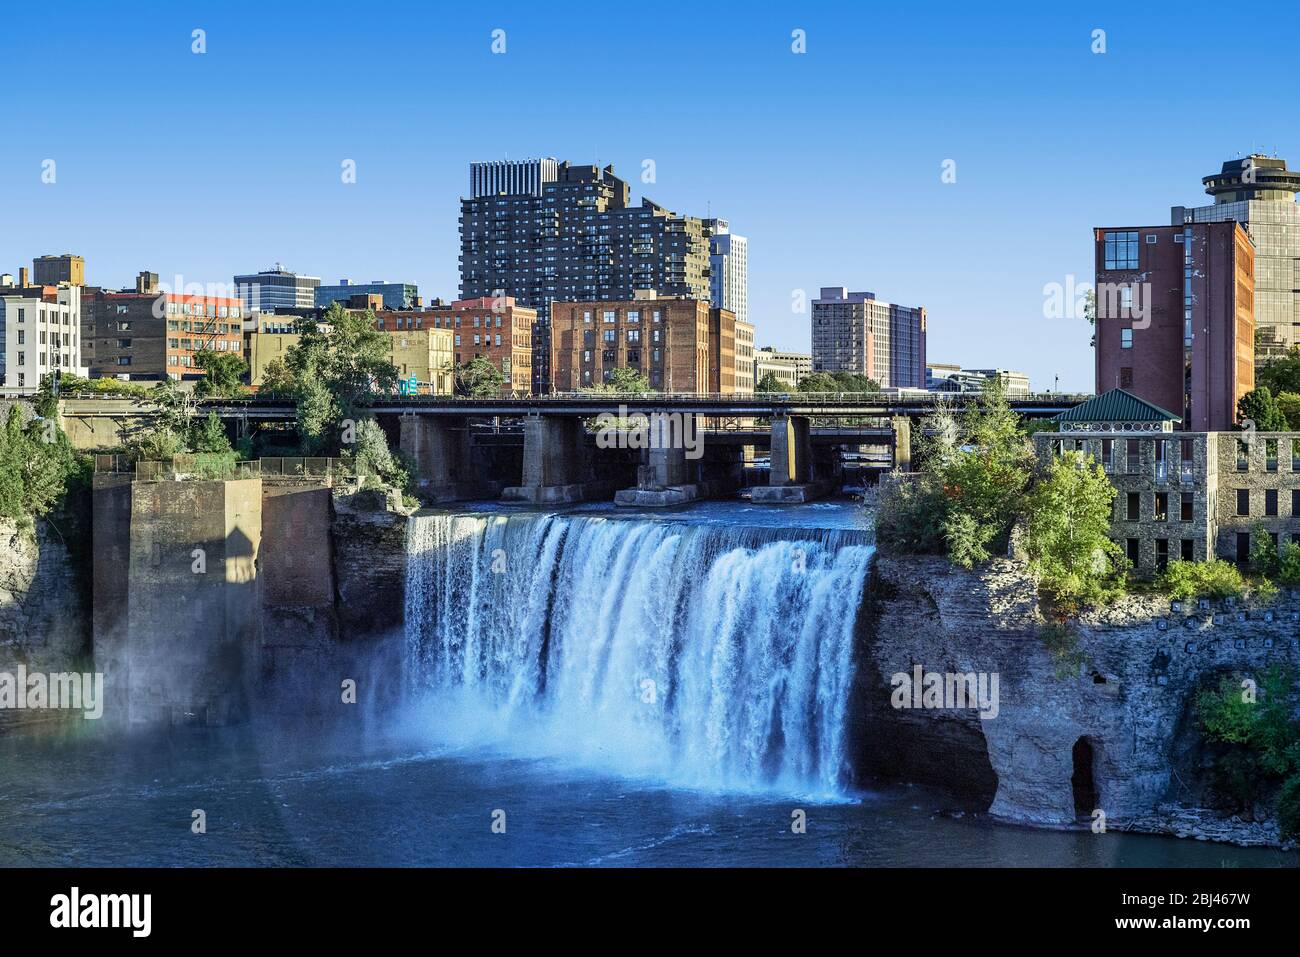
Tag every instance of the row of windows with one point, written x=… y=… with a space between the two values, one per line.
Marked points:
x=52 y=315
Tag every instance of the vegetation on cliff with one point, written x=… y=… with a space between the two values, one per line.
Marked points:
x=1255 y=737
x=977 y=479
x=37 y=464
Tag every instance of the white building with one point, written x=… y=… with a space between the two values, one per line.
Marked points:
x=728 y=268
x=788 y=367
x=40 y=333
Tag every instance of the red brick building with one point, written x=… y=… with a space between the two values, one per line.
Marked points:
x=679 y=345
x=498 y=328
x=1175 y=318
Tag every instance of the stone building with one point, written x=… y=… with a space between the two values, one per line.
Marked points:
x=1184 y=495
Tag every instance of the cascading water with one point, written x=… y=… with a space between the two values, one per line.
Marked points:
x=703 y=655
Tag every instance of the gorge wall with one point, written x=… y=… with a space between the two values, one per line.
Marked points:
x=1129 y=702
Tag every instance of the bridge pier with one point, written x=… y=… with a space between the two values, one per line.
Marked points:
x=902 y=443
x=440 y=448
x=554 y=466
x=790 y=478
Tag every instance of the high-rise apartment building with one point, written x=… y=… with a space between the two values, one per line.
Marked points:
x=1259 y=192
x=1175 y=323
x=543 y=231
x=148 y=334
x=52 y=270
x=858 y=333
x=40 y=334
x=678 y=344
x=396 y=295
x=276 y=288
x=728 y=268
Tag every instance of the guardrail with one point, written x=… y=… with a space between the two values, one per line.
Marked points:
x=217 y=466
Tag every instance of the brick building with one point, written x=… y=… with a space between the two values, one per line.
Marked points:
x=145 y=334
x=678 y=344
x=1175 y=318
x=1184 y=495
x=496 y=327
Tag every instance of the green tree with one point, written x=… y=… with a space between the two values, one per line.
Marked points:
x=1288 y=404
x=1281 y=374
x=625 y=381
x=1262 y=409
x=478 y=379
x=223 y=373
x=36 y=464
x=209 y=436
x=770 y=383
x=1068 y=527
x=837 y=382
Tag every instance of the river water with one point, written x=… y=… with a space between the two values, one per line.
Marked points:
x=583 y=688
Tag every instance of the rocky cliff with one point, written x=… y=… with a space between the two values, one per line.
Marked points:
x=1102 y=730
x=43 y=606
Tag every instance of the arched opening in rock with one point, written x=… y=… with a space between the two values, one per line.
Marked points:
x=1083 y=781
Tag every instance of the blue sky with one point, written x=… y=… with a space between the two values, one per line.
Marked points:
x=829 y=161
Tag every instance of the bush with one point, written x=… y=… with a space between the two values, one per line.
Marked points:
x=1257 y=736
x=1215 y=578
x=910 y=516
x=1288 y=565
x=36 y=463
x=1288 y=808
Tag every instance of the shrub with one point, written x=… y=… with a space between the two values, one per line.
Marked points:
x=1256 y=733
x=1288 y=566
x=910 y=516
x=1215 y=578
x=1288 y=808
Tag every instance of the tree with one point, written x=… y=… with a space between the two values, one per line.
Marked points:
x=837 y=382
x=1262 y=409
x=210 y=436
x=626 y=381
x=36 y=463
x=1069 y=545
x=1288 y=403
x=1281 y=374
x=478 y=378
x=223 y=373
x=770 y=383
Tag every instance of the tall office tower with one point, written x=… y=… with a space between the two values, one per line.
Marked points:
x=52 y=270
x=728 y=268
x=276 y=288
x=1175 y=321
x=541 y=232
x=1259 y=192
x=856 y=332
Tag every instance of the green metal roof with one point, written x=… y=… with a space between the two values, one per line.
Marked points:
x=1117 y=405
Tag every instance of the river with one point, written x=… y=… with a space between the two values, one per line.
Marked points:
x=582 y=688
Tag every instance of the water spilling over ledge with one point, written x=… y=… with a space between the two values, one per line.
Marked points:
x=709 y=656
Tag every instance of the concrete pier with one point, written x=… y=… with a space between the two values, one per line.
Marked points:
x=554 y=471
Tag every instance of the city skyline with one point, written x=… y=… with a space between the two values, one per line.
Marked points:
x=832 y=177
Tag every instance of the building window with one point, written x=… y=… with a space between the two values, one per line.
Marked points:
x=1162 y=507
x=1186 y=552
x=1162 y=554
x=1295 y=502
x=1132 y=550
x=1270 y=501
x=1185 y=511
x=1270 y=454
x=1243 y=547
x=1243 y=501
x=1120 y=250
x=1134 y=507
x=1243 y=456
x=1126 y=338
x=1126 y=377
x=1151 y=238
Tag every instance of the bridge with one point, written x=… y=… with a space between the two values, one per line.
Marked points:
x=460 y=446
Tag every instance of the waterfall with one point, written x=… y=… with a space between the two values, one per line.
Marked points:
x=710 y=656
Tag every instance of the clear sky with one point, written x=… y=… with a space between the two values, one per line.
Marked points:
x=830 y=161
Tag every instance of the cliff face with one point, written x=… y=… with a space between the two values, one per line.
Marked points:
x=43 y=620
x=1106 y=736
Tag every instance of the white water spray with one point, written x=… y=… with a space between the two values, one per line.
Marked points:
x=707 y=656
